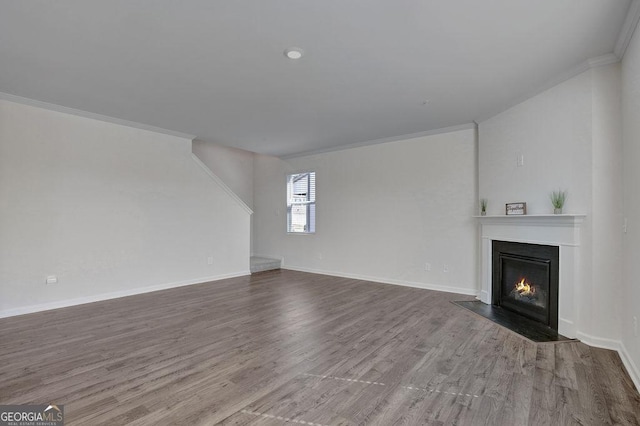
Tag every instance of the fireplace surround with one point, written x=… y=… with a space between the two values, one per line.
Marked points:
x=525 y=280
x=561 y=231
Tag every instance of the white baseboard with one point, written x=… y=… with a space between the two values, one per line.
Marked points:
x=426 y=286
x=614 y=345
x=598 y=342
x=631 y=367
x=113 y=295
x=567 y=328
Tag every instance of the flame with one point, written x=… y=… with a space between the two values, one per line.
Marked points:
x=525 y=289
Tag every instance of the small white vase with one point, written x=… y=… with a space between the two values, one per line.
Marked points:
x=557 y=210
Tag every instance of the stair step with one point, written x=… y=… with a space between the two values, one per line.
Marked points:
x=260 y=264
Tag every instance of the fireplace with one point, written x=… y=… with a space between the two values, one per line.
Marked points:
x=557 y=230
x=525 y=280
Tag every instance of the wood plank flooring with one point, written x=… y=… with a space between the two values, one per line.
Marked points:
x=287 y=347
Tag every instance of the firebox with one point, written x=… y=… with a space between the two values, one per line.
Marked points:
x=525 y=280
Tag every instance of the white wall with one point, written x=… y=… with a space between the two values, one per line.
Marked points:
x=570 y=136
x=553 y=132
x=383 y=211
x=109 y=209
x=631 y=240
x=606 y=210
x=233 y=166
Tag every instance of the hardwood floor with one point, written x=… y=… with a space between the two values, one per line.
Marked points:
x=286 y=347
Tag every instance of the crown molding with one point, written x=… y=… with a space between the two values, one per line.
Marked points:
x=599 y=61
x=449 y=129
x=628 y=28
x=91 y=115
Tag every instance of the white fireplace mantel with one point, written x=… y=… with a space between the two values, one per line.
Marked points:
x=542 y=219
x=562 y=231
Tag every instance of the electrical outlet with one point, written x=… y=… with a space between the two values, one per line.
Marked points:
x=445 y=268
x=520 y=160
x=427 y=267
x=635 y=326
x=52 y=279
x=210 y=260
x=624 y=226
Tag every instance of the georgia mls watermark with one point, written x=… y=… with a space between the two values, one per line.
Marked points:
x=32 y=415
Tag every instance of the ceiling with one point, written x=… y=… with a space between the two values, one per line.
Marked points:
x=371 y=70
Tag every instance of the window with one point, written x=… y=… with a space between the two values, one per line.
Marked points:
x=301 y=203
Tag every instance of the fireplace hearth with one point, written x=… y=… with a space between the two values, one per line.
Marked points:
x=525 y=280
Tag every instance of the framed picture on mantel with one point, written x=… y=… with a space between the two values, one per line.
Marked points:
x=516 y=209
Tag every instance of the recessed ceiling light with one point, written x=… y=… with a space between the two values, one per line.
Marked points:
x=293 y=53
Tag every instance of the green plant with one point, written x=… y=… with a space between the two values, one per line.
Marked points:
x=483 y=204
x=558 y=198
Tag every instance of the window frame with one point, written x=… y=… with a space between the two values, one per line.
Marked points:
x=308 y=203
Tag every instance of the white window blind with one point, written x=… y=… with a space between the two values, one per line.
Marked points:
x=301 y=202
